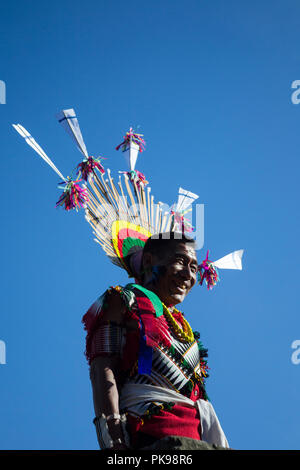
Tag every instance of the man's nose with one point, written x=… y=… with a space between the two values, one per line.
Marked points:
x=186 y=273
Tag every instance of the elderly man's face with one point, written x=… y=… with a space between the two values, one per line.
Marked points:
x=177 y=273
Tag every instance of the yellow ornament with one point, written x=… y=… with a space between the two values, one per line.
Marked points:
x=185 y=333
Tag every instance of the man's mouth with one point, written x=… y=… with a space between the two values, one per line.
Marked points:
x=179 y=288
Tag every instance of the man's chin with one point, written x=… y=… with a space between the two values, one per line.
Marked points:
x=175 y=299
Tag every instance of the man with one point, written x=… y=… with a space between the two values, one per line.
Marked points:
x=147 y=368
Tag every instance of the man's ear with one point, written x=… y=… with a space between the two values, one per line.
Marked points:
x=147 y=261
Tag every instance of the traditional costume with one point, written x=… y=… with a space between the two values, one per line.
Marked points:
x=162 y=361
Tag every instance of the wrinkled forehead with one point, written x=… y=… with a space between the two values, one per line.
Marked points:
x=187 y=250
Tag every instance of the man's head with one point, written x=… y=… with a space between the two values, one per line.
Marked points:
x=169 y=266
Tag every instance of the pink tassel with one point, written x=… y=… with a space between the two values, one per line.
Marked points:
x=73 y=196
x=208 y=272
x=178 y=218
x=131 y=136
x=136 y=176
x=87 y=167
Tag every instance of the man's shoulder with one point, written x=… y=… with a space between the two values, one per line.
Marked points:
x=119 y=298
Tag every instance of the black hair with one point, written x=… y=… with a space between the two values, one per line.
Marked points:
x=159 y=243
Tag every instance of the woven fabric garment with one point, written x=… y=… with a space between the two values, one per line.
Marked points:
x=167 y=370
x=174 y=365
x=167 y=366
x=165 y=419
x=179 y=420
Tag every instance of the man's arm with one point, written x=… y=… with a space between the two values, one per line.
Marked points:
x=104 y=375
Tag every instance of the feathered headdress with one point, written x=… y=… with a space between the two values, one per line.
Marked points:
x=122 y=212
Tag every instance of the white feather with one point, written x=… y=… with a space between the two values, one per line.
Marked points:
x=67 y=118
x=231 y=261
x=32 y=143
x=185 y=199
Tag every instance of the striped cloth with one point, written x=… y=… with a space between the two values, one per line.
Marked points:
x=167 y=371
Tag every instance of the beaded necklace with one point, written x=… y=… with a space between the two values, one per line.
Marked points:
x=184 y=333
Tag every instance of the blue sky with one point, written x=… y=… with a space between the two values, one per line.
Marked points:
x=210 y=85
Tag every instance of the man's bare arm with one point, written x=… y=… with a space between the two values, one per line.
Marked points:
x=104 y=375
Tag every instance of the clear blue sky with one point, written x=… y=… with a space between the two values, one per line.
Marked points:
x=210 y=85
